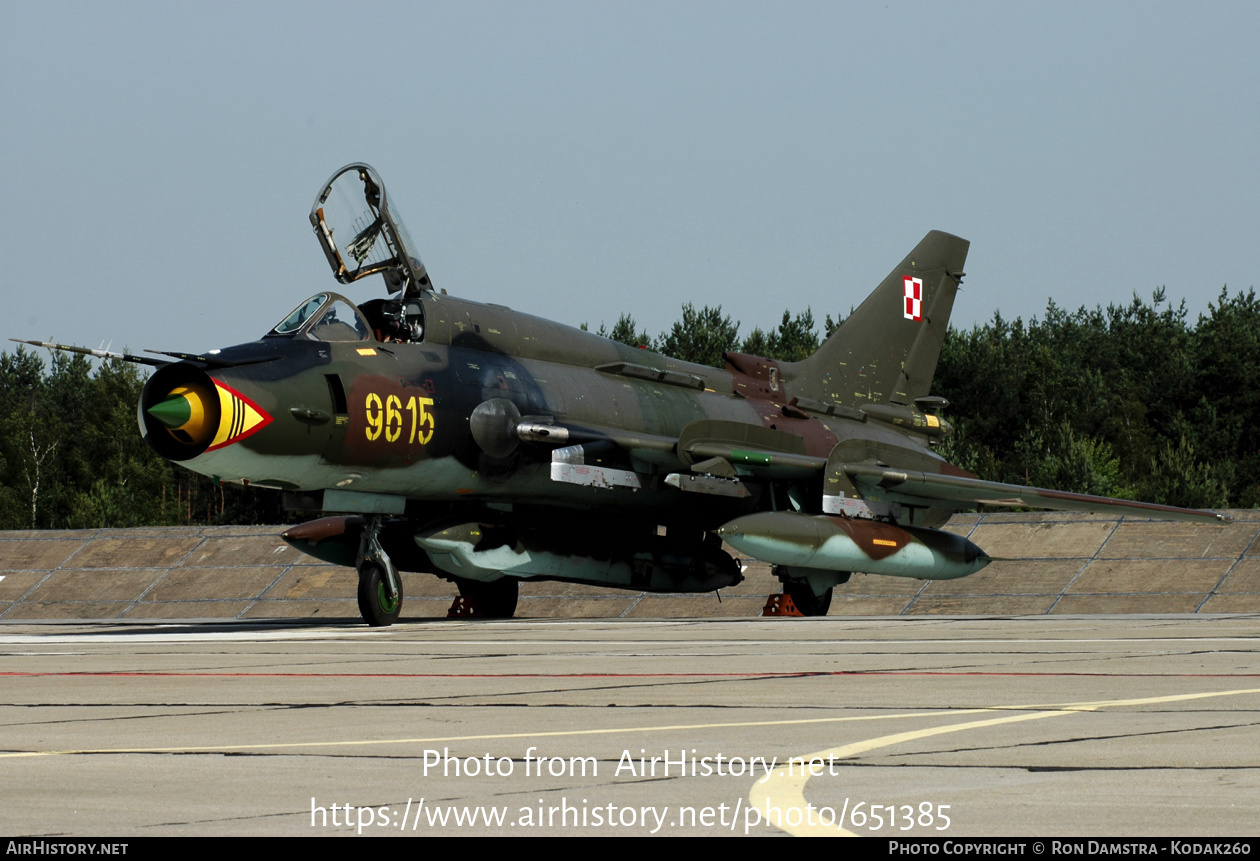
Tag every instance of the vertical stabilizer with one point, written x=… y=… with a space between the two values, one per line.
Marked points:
x=886 y=351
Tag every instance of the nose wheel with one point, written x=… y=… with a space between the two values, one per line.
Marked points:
x=380 y=587
x=377 y=606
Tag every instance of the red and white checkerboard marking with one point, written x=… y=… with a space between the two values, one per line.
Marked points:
x=914 y=298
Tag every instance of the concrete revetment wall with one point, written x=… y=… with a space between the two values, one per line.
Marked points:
x=1043 y=564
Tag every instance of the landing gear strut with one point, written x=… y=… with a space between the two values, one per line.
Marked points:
x=380 y=587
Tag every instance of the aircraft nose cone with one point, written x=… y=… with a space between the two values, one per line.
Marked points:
x=174 y=412
x=184 y=413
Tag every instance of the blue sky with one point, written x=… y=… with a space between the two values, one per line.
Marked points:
x=580 y=160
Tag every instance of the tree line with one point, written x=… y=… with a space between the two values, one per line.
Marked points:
x=1135 y=401
x=71 y=454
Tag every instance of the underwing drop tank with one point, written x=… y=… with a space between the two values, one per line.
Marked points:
x=848 y=544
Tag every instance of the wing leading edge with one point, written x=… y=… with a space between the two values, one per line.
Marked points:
x=906 y=486
x=919 y=488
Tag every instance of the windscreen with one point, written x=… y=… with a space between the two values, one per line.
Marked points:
x=301 y=315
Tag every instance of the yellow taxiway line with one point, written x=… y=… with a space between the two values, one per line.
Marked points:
x=784 y=791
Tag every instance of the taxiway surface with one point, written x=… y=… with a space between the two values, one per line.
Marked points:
x=963 y=727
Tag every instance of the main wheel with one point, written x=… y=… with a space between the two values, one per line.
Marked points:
x=495 y=600
x=374 y=602
x=805 y=600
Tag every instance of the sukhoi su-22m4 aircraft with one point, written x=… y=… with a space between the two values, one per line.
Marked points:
x=487 y=446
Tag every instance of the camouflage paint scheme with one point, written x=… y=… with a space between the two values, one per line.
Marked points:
x=487 y=446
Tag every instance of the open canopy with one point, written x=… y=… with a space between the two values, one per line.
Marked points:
x=361 y=235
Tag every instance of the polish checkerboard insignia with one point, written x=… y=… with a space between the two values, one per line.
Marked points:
x=914 y=298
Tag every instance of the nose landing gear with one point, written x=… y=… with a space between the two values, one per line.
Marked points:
x=378 y=608
x=380 y=587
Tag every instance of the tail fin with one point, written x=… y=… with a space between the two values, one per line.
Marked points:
x=886 y=351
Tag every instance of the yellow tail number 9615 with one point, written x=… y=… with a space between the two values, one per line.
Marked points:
x=387 y=418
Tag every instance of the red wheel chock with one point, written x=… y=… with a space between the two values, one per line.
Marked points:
x=780 y=605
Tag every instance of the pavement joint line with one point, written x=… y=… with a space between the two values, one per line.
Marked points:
x=784 y=791
x=1233 y=565
x=633 y=604
x=201 y=539
x=399 y=636
x=1088 y=562
x=254 y=602
x=717 y=676
x=86 y=541
x=1024 y=712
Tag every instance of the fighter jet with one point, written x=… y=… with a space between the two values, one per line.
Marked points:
x=487 y=446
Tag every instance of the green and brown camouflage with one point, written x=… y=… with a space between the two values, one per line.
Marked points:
x=488 y=446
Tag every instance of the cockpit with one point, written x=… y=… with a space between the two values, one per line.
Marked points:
x=397 y=320
x=361 y=236
x=333 y=317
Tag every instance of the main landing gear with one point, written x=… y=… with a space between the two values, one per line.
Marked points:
x=380 y=587
x=800 y=585
x=479 y=599
x=806 y=601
